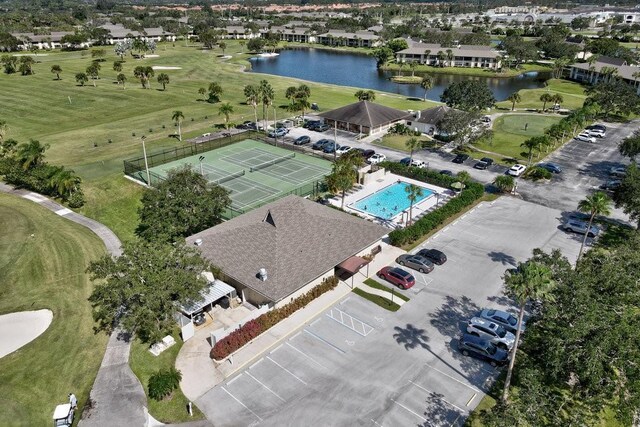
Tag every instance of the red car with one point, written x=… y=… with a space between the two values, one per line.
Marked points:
x=397 y=276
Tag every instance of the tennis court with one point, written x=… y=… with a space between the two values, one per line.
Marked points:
x=254 y=172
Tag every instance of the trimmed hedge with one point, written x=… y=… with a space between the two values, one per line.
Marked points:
x=250 y=330
x=430 y=221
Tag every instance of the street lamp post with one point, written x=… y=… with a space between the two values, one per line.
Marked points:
x=275 y=133
x=146 y=163
x=201 y=158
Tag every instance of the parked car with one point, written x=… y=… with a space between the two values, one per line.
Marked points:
x=551 y=167
x=611 y=185
x=319 y=145
x=446 y=172
x=343 y=149
x=618 y=171
x=481 y=348
x=278 y=133
x=377 y=158
x=433 y=255
x=309 y=124
x=397 y=276
x=585 y=137
x=322 y=127
x=598 y=133
x=502 y=318
x=597 y=126
x=415 y=262
x=302 y=140
x=330 y=147
x=367 y=153
x=516 y=170
x=408 y=161
x=491 y=331
x=580 y=227
x=484 y=163
x=460 y=158
x=485 y=119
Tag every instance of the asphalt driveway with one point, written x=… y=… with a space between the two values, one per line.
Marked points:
x=358 y=364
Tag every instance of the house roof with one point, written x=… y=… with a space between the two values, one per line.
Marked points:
x=432 y=116
x=294 y=239
x=366 y=113
x=624 y=71
x=363 y=35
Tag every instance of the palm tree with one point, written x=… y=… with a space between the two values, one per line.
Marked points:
x=215 y=90
x=530 y=281
x=365 y=95
x=596 y=204
x=514 y=98
x=592 y=60
x=31 y=154
x=64 y=181
x=202 y=91
x=426 y=84
x=413 y=144
x=81 y=78
x=163 y=79
x=122 y=79
x=504 y=183
x=441 y=57
x=226 y=110
x=56 y=69
x=267 y=95
x=557 y=99
x=531 y=144
x=635 y=76
x=252 y=96
x=117 y=66
x=426 y=56
x=413 y=193
x=400 y=66
x=344 y=174
x=222 y=46
x=178 y=117
x=412 y=67
x=545 y=97
x=450 y=57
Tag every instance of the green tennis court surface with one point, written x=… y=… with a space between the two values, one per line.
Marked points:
x=255 y=173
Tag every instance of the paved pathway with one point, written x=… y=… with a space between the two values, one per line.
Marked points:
x=118 y=397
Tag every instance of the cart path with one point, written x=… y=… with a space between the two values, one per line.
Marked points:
x=118 y=397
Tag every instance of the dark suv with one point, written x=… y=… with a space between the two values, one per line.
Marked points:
x=481 y=348
x=460 y=158
x=433 y=255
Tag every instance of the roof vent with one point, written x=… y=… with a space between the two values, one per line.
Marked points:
x=269 y=219
x=262 y=274
x=198 y=242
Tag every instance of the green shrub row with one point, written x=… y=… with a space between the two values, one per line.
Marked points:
x=472 y=192
x=241 y=336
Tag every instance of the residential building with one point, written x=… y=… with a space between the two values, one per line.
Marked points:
x=118 y=33
x=426 y=121
x=281 y=250
x=604 y=69
x=41 y=41
x=297 y=34
x=460 y=56
x=343 y=38
x=238 y=32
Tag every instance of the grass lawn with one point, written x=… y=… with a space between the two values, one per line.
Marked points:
x=43 y=258
x=78 y=122
x=466 y=71
x=398 y=142
x=377 y=299
x=144 y=364
x=572 y=93
x=376 y=285
x=509 y=133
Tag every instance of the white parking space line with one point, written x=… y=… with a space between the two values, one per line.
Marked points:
x=265 y=386
x=345 y=300
x=319 y=338
x=438 y=397
x=471 y=400
x=251 y=367
x=376 y=423
x=307 y=356
x=453 y=378
x=276 y=349
x=409 y=410
x=243 y=405
x=287 y=371
x=347 y=320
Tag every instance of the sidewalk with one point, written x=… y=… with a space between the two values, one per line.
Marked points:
x=200 y=373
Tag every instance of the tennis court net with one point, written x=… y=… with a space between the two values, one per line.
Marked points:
x=272 y=162
x=224 y=178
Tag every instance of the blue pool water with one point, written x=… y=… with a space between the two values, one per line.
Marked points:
x=389 y=201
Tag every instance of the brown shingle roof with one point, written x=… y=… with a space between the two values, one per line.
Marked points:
x=365 y=113
x=432 y=116
x=307 y=240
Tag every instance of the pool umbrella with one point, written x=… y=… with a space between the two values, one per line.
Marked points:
x=457 y=185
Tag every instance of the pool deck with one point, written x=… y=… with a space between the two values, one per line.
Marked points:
x=440 y=195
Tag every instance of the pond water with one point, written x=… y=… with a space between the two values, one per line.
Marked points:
x=358 y=70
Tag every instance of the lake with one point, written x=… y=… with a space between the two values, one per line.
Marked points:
x=358 y=70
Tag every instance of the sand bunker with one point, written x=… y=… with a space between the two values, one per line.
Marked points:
x=152 y=56
x=160 y=67
x=19 y=329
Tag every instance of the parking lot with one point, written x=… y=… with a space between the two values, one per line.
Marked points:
x=358 y=364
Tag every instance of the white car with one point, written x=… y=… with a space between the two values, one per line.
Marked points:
x=585 y=137
x=418 y=164
x=598 y=133
x=343 y=149
x=377 y=158
x=516 y=170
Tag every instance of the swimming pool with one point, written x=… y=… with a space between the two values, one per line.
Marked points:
x=389 y=201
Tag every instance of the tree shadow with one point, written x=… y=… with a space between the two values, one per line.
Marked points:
x=411 y=337
x=451 y=317
x=503 y=258
x=439 y=412
x=502 y=300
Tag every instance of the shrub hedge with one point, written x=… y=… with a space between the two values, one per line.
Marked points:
x=430 y=221
x=250 y=330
